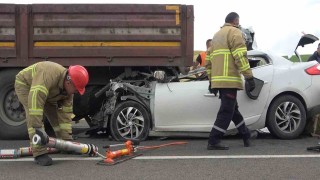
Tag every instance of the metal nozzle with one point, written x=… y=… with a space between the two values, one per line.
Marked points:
x=40 y=138
x=36 y=139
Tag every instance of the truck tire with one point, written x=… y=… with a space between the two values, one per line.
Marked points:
x=130 y=121
x=12 y=115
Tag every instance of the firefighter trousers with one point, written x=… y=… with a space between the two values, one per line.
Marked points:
x=50 y=111
x=229 y=111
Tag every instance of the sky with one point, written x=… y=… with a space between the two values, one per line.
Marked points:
x=277 y=23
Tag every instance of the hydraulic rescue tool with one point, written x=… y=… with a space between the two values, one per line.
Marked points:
x=41 y=138
x=55 y=145
x=24 y=151
x=115 y=157
x=129 y=152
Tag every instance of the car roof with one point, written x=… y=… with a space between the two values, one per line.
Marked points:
x=255 y=52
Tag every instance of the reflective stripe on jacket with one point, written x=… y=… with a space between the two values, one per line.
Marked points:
x=44 y=81
x=227 y=58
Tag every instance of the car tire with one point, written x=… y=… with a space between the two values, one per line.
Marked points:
x=130 y=121
x=286 y=118
x=12 y=116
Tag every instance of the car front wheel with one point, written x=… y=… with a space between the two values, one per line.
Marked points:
x=286 y=117
x=130 y=121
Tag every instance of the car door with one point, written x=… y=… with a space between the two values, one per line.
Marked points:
x=250 y=109
x=185 y=106
x=188 y=106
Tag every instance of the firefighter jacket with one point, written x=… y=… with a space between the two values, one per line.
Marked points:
x=45 y=83
x=227 y=58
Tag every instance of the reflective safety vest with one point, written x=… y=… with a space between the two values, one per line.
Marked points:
x=228 y=58
x=203 y=58
x=44 y=81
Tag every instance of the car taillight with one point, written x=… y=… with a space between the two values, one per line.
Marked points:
x=313 y=70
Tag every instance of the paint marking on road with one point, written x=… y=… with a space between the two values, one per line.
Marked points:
x=229 y=157
x=175 y=157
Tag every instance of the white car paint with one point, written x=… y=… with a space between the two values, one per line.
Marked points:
x=187 y=107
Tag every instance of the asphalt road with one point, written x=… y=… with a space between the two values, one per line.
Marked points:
x=267 y=158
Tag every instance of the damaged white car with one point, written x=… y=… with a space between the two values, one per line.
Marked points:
x=288 y=95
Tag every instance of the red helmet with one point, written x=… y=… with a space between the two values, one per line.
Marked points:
x=79 y=77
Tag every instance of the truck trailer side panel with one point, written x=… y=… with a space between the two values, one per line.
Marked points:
x=97 y=34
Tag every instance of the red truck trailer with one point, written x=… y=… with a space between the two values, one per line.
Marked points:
x=123 y=41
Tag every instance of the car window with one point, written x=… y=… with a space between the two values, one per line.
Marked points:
x=256 y=61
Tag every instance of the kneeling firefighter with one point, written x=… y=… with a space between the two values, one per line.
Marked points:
x=47 y=88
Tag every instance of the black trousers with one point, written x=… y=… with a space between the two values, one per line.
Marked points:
x=228 y=112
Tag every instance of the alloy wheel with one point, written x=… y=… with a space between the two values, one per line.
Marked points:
x=130 y=123
x=288 y=117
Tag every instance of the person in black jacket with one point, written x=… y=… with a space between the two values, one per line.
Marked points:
x=315 y=55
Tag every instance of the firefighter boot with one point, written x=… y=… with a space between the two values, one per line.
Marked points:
x=246 y=140
x=214 y=140
x=43 y=160
x=218 y=146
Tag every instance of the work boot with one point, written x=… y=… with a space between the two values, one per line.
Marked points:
x=43 y=160
x=217 y=146
x=246 y=141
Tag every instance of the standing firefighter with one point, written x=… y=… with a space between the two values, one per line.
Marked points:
x=47 y=88
x=227 y=60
